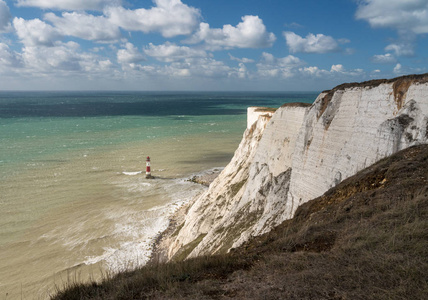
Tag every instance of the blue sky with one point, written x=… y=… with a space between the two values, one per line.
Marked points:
x=242 y=45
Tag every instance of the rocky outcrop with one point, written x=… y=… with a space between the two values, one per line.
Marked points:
x=296 y=154
x=352 y=127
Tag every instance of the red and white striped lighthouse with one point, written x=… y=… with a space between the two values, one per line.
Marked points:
x=148 y=173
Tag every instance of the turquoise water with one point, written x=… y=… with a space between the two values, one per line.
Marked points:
x=72 y=196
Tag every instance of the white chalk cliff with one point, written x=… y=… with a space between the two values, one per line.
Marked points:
x=297 y=153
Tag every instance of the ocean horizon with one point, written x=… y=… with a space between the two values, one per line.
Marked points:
x=74 y=198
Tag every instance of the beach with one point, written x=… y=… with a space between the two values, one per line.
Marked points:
x=75 y=202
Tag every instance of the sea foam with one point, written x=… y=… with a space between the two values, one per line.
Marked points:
x=136 y=231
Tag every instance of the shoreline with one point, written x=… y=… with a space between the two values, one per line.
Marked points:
x=176 y=219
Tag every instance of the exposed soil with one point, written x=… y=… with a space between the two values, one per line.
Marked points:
x=400 y=87
x=296 y=104
x=367 y=238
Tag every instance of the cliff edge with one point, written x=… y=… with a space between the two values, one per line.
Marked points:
x=296 y=153
x=364 y=239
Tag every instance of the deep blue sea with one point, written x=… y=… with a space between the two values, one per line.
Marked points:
x=73 y=199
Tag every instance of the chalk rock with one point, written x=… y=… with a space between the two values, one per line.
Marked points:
x=352 y=127
x=297 y=153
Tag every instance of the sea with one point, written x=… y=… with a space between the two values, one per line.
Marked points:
x=74 y=201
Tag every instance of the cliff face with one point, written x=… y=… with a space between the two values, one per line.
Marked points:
x=296 y=154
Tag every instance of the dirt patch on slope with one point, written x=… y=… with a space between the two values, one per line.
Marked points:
x=366 y=238
x=400 y=87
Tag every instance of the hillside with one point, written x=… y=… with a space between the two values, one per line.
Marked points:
x=366 y=238
x=296 y=153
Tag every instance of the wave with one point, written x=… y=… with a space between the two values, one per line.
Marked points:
x=136 y=231
x=132 y=173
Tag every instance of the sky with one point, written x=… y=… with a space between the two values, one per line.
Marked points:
x=208 y=45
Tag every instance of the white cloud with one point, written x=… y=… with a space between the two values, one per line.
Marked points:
x=404 y=46
x=69 y=4
x=45 y=59
x=401 y=49
x=343 y=41
x=199 y=68
x=336 y=72
x=35 y=32
x=270 y=66
x=242 y=71
x=170 y=52
x=129 y=55
x=84 y=26
x=9 y=58
x=349 y=51
x=288 y=61
x=337 y=68
x=97 y=49
x=398 y=69
x=294 y=25
x=63 y=59
x=319 y=43
x=5 y=17
x=384 y=59
x=60 y=60
x=250 y=33
x=409 y=18
x=242 y=60
x=411 y=15
x=404 y=70
x=195 y=68
x=342 y=70
x=169 y=17
x=314 y=71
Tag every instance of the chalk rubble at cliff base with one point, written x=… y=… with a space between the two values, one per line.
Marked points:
x=296 y=153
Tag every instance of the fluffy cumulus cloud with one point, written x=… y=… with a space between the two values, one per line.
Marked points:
x=51 y=46
x=409 y=18
x=196 y=68
x=69 y=4
x=285 y=67
x=170 y=52
x=242 y=60
x=9 y=58
x=200 y=67
x=340 y=69
x=84 y=26
x=129 y=55
x=404 y=48
x=384 y=59
x=61 y=59
x=169 y=17
x=399 y=70
x=336 y=72
x=314 y=71
x=5 y=17
x=411 y=15
x=319 y=43
x=35 y=32
x=250 y=33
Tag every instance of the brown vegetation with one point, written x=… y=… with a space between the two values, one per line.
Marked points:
x=416 y=78
x=296 y=104
x=367 y=238
x=266 y=109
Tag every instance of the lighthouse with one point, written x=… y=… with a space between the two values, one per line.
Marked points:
x=148 y=173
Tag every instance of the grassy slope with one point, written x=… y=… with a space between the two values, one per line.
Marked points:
x=365 y=239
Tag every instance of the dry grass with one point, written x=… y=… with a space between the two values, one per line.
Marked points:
x=166 y=279
x=365 y=239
